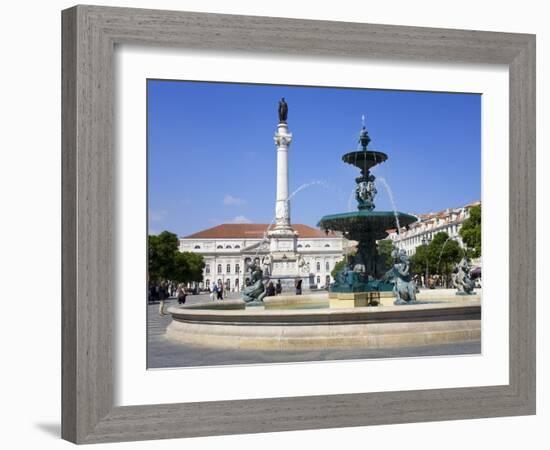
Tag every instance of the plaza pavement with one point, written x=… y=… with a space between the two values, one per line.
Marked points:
x=161 y=352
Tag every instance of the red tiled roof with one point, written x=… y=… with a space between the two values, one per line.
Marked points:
x=251 y=231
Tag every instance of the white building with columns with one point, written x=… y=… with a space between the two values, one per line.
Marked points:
x=229 y=248
x=422 y=232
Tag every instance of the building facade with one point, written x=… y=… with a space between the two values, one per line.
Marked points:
x=229 y=249
x=422 y=232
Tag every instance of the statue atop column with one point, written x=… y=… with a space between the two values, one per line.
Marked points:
x=283 y=111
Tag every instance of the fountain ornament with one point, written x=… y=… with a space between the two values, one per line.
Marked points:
x=365 y=271
x=462 y=281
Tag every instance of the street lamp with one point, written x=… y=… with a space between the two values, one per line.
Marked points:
x=426 y=242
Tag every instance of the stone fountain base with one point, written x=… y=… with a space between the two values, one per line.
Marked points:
x=232 y=326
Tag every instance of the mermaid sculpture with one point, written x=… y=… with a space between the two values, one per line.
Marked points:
x=404 y=287
x=462 y=281
x=255 y=292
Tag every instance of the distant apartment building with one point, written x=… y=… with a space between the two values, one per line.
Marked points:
x=422 y=232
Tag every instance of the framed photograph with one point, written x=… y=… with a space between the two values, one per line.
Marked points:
x=317 y=224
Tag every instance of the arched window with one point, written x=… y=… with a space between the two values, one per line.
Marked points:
x=327 y=266
x=227 y=246
x=237 y=268
x=197 y=247
x=327 y=245
x=236 y=284
x=228 y=268
x=207 y=283
x=237 y=246
x=308 y=246
x=207 y=268
x=318 y=267
x=318 y=280
x=299 y=245
x=219 y=268
x=228 y=284
x=219 y=246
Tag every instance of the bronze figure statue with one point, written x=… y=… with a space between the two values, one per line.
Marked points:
x=283 y=111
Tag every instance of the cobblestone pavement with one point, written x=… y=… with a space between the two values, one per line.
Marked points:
x=162 y=352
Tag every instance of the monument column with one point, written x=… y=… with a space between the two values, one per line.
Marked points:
x=282 y=206
x=282 y=238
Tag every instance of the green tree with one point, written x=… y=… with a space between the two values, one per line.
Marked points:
x=166 y=262
x=162 y=250
x=338 y=267
x=444 y=253
x=188 y=267
x=439 y=257
x=385 y=247
x=471 y=232
x=420 y=261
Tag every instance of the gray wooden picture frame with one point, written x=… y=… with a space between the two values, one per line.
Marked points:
x=90 y=34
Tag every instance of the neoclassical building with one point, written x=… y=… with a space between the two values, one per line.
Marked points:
x=422 y=232
x=228 y=249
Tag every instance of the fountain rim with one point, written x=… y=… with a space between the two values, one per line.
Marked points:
x=372 y=157
x=365 y=213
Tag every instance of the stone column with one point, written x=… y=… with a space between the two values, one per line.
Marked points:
x=282 y=206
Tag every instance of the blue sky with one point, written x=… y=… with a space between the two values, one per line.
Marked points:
x=212 y=159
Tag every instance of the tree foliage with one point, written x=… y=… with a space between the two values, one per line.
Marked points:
x=471 y=232
x=438 y=257
x=166 y=262
x=338 y=267
x=385 y=248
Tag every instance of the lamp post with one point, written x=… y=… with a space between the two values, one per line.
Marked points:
x=426 y=242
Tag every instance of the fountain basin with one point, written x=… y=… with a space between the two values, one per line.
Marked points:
x=358 y=224
x=326 y=328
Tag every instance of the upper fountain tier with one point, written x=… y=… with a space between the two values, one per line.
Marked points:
x=362 y=158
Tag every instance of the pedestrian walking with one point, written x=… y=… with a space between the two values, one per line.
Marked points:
x=270 y=290
x=278 y=288
x=182 y=295
x=298 y=286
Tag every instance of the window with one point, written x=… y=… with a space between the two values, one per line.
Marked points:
x=207 y=268
x=237 y=268
x=327 y=266
x=308 y=246
x=237 y=246
x=227 y=246
x=318 y=267
x=327 y=245
x=207 y=283
x=228 y=284
x=228 y=268
x=197 y=247
x=219 y=268
x=219 y=246
x=318 y=279
x=299 y=245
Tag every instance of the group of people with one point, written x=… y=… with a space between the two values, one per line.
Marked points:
x=274 y=289
x=166 y=289
x=217 y=291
